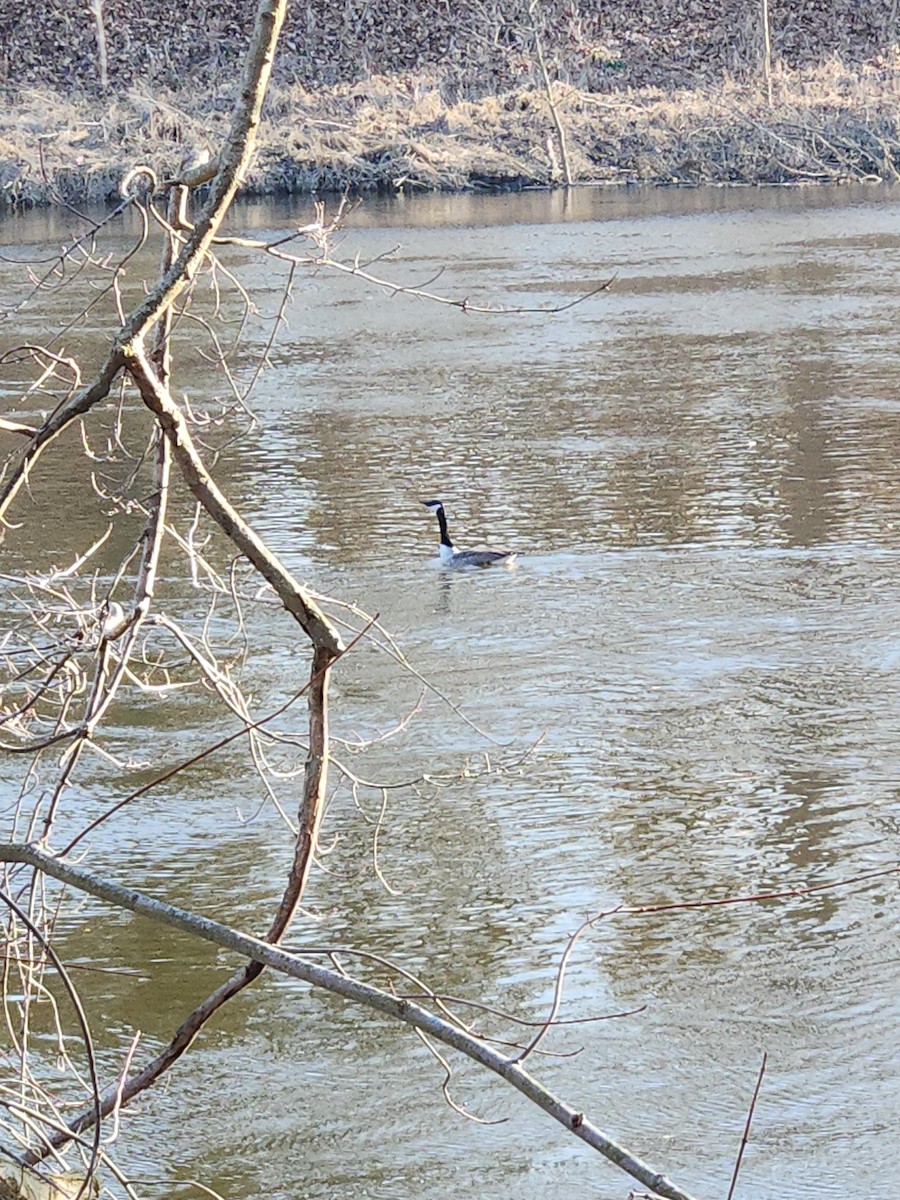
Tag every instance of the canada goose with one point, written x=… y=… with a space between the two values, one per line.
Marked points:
x=465 y=558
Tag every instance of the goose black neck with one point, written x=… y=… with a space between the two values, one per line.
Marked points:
x=442 y=522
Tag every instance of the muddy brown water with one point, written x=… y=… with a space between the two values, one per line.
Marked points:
x=700 y=469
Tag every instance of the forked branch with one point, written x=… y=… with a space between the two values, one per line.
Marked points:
x=293 y=595
x=233 y=160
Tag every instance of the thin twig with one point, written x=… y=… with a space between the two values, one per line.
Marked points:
x=746 y=1135
x=81 y=1016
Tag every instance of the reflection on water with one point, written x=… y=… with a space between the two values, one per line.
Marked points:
x=700 y=471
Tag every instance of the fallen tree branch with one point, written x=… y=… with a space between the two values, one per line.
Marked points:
x=404 y=1011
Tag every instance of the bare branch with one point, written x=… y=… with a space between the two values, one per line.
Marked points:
x=404 y=1011
x=538 y=39
x=234 y=160
x=298 y=602
x=85 y=1031
x=17 y=427
x=465 y=305
x=746 y=1135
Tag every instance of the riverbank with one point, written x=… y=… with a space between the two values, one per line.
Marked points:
x=829 y=123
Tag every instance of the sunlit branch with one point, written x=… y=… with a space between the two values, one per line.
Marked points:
x=405 y=1011
x=296 y=599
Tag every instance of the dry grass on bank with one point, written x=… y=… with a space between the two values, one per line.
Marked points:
x=827 y=124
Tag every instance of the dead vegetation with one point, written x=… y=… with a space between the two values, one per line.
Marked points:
x=826 y=125
x=455 y=98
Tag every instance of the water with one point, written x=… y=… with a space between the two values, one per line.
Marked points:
x=698 y=649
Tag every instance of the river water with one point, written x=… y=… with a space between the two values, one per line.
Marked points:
x=699 y=468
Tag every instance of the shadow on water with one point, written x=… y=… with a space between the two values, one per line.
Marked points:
x=699 y=469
